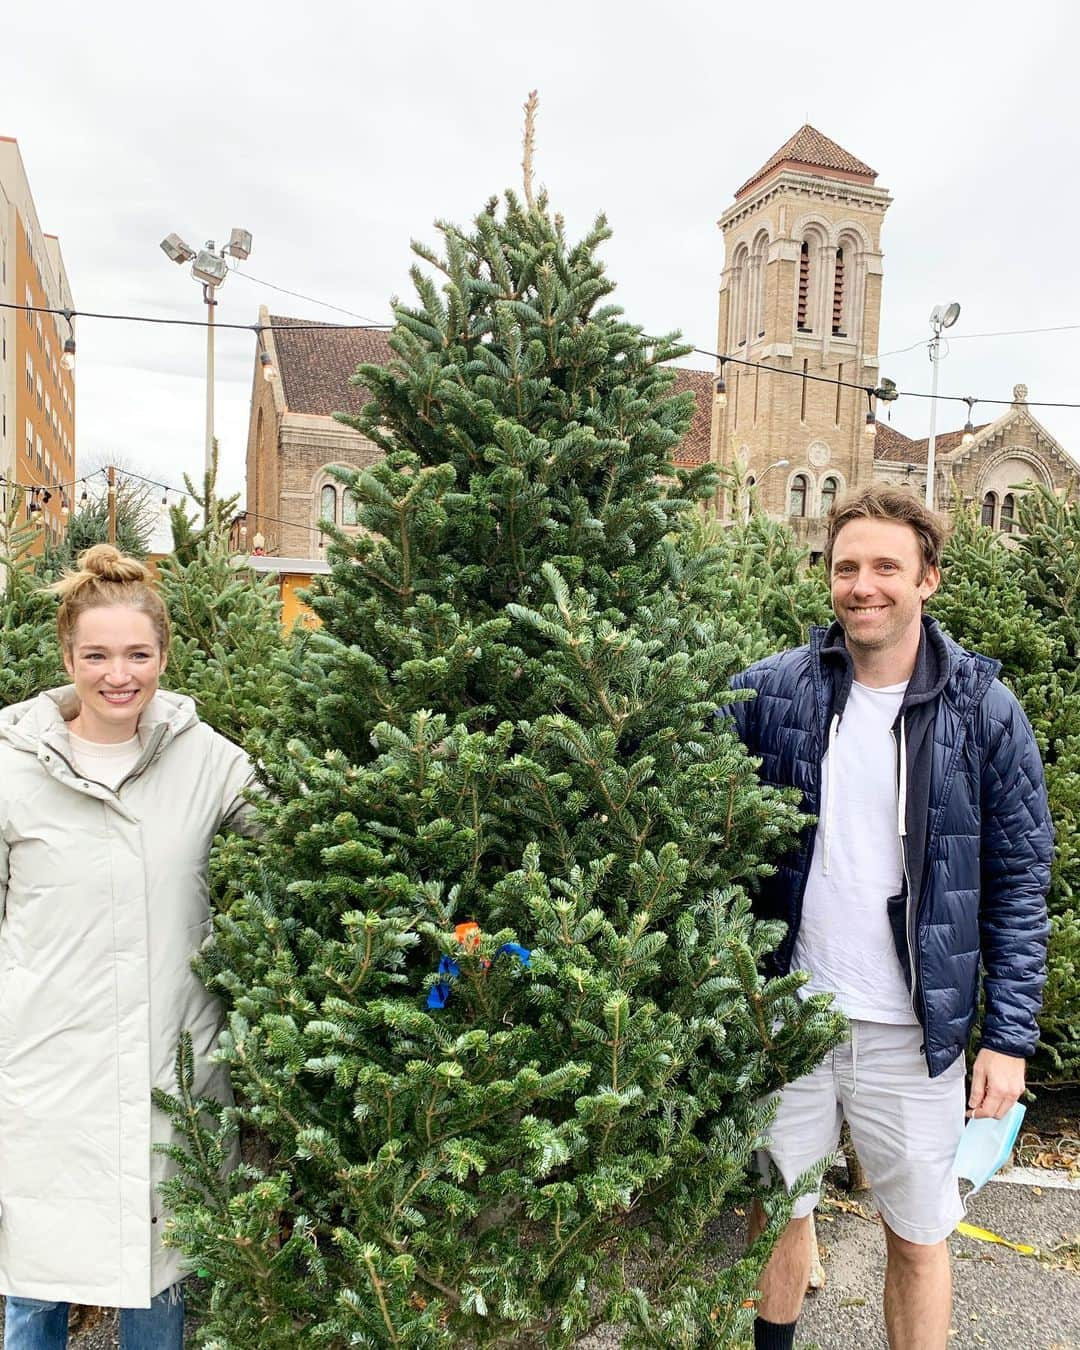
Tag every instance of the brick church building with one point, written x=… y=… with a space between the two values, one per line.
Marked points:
x=800 y=292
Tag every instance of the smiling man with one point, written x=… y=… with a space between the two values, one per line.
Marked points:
x=929 y=859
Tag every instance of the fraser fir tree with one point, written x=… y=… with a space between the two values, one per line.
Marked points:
x=755 y=570
x=495 y=1010
x=1013 y=601
x=226 y=620
x=89 y=525
x=30 y=658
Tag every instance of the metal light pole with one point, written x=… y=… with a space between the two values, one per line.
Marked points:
x=210 y=268
x=941 y=317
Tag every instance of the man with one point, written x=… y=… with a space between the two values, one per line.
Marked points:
x=930 y=856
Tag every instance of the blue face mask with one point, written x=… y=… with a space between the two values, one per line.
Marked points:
x=985 y=1146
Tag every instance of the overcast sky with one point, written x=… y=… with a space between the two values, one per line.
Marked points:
x=336 y=132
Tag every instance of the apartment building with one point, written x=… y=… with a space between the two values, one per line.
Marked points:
x=37 y=392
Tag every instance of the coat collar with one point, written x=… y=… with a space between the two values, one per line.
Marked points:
x=38 y=727
x=939 y=666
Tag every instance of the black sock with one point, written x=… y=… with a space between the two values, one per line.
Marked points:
x=773 y=1335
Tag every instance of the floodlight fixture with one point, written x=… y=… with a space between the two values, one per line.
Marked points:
x=209 y=267
x=175 y=248
x=239 y=244
x=944 y=316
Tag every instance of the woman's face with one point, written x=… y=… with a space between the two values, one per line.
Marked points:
x=115 y=662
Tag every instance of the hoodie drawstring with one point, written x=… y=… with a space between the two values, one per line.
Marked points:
x=826 y=852
x=901 y=795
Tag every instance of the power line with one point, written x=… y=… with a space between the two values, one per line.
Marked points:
x=722 y=357
x=964 y=337
x=297 y=295
x=196 y=323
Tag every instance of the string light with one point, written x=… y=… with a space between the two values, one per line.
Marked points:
x=383 y=327
x=969 y=427
x=721 y=387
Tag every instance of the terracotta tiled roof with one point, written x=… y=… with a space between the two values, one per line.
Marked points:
x=896 y=448
x=694 y=446
x=316 y=362
x=809 y=148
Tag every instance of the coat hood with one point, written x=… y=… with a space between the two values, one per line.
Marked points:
x=28 y=725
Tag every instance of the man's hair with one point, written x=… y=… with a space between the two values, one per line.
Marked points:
x=878 y=501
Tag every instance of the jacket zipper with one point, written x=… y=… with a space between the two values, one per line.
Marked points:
x=908 y=899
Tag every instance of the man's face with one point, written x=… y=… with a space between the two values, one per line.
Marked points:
x=879 y=583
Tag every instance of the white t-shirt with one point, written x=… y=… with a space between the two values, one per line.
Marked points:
x=104 y=763
x=845 y=940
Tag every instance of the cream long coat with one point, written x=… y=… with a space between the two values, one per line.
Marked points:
x=104 y=899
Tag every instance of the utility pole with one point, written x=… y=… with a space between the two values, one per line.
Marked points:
x=111 y=474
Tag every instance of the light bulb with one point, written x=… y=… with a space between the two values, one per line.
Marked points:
x=68 y=358
x=163 y=509
x=871 y=425
x=721 y=391
x=269 y=373
x=968 y=437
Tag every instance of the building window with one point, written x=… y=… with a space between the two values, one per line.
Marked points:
x=989 y=509
x=1008 y=513
x=838 y=295
x=328 y=504
x=797 y=495
x=804 y=289
x=828 y=495
x=349 y=507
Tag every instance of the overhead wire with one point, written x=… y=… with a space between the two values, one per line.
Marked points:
x=260 y=328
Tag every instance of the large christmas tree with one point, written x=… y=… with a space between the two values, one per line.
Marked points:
x=496 y=1020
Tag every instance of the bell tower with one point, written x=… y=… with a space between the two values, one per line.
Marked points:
x=800 y=293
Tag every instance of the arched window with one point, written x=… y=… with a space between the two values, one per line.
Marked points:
x=349 y=506
x=802 y=315
x=328 y=503
x=838 y=295
x=989 y=509
x=828 y=495
x=758 y=263
x=797 y=494
x=1008 y=513
x=740 y=286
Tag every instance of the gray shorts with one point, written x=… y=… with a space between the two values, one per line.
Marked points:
x=905 y=1126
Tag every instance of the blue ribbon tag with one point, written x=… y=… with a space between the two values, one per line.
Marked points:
x=439 y=994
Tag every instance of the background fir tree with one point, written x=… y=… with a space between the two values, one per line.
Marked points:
x=495 y=1008
x=89 y=525
x=226 y=619
x=30 y=658
x=754 y=569
x=1011 y=600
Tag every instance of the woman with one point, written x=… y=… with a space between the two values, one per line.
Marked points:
x=111 y=792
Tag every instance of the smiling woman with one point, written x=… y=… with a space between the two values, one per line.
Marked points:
x=111 y=793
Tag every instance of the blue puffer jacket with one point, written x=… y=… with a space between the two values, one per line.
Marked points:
x=978 y=844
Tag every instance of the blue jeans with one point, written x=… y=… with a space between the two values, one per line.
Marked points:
x=35 y=1324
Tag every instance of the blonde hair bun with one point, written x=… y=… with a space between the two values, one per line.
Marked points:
x=107 y=563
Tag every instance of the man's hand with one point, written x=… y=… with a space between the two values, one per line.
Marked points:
x=997 y=1083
